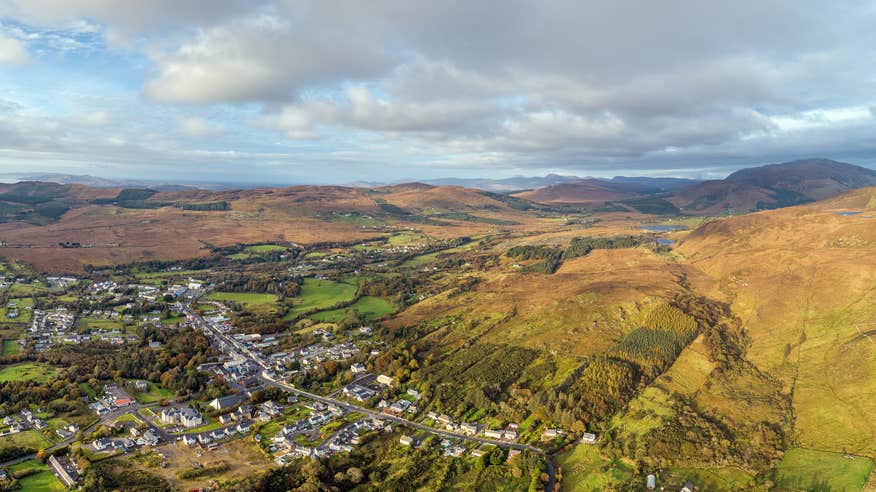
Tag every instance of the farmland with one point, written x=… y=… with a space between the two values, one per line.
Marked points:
x=318 y=294
x=806 y=469
x=27 y=371
x=367 y=307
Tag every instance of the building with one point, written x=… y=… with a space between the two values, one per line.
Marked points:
x=141 y=385
x=688 y=487
x=150 y=438
x=100 y=444
x=588 y=438
x=358 y=393
x=185 y=416
x=271 y=408
x=651 y=482
x=117 y=396
x=549 y=434
x=409 y=441
x=470 y=429
x=226 y=402
x=357 y=368
x=384 y=380
x=494 y=434
x=64 y=469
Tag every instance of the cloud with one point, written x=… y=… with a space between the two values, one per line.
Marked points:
x=12 y=51
x=473 y=86
x=97 y=118
x=199 y=128
x=260 y=58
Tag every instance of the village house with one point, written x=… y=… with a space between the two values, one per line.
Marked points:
x=470 y=429
x=409 y=441
x=588 y=438
x=494 y=433
x=226 y=402
x=384 y=380
x=64 y=469
x=187 y=417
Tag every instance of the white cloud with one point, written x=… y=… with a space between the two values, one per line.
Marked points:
x=199 y=128
x=12 y=50
x=97 y=118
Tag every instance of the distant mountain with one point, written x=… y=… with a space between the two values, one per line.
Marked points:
x=583 y=191
x=774 y=186
x=657 y=184
x=621 y=194
x=504 y=185
x=98 y=182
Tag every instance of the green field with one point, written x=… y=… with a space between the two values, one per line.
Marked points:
x=585 y=470
x=403 y=238
x=42 y=479
x=33 y=371
x=713 y=479
x=23 y=314
x=23 y=290
x=807 y=469
x=367 y=307
x=246 y=298
x=155 y=393
x=84 y=324
x=10 y=347
x=264 y=248
x=320 y=294
x=29 y=439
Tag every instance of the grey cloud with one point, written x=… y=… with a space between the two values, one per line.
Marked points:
x=530 y=84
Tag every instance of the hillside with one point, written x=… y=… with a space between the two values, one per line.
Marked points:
x=585 y=191
x=109 y=226
x=774 y=186
x=802 y=282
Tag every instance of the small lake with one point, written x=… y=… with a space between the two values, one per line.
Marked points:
x=847 y=214
x=662 y=228
x=662 y=241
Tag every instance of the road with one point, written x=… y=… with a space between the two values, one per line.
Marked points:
x=107 y=417
x=242 y=351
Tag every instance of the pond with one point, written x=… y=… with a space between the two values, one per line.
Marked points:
x=847 y=214
x=662 y=241
x=662 y=228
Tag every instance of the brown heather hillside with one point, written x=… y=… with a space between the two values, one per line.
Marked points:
x=159 y=228
x=802 y=281
x=579 y=192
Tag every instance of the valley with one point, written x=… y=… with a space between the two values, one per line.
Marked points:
x=465 y=339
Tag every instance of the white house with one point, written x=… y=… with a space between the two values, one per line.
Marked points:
x=384 y=380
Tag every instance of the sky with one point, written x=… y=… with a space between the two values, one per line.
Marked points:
x=328 y=91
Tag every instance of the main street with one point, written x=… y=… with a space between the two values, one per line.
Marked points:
x=238 y=350
x=241 y=351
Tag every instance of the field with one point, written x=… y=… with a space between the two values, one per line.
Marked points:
x=243 y=297
x=584 y=470
x=27 y=371
x=251 y=301
x=155 y=393
x=10 y=347
x=23 y=313
x=23 y=290
x=89 y=324
x=264 y=248
x=42 y=480
x=712 y=479
x=320 y=294
x=368 y=308
x=241 y=455
x=806 y=469
x=30 y=439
